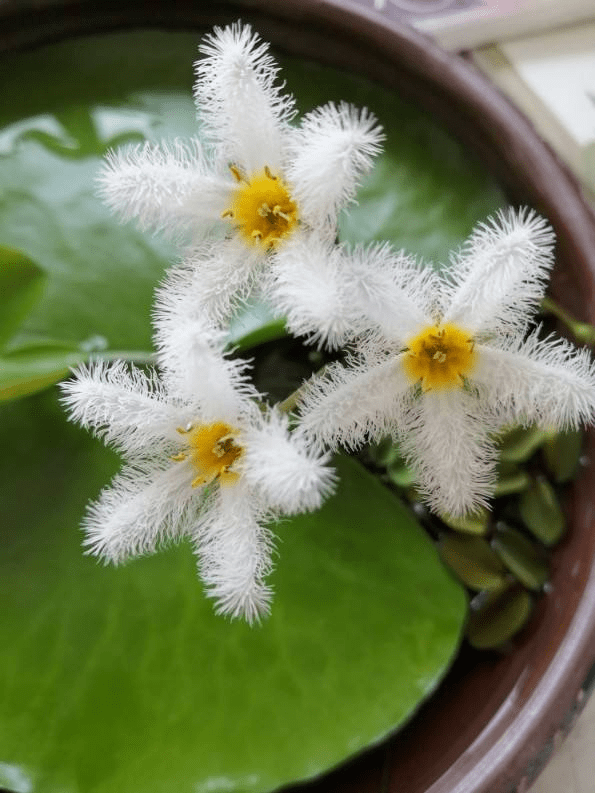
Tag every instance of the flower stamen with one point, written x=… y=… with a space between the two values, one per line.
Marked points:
x=213 y=451
x=439 y=357
x=236 y=173
x=262 y=209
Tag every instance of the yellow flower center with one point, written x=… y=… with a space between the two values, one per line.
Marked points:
x=213 y=451
x=262 y=209
x=440 y=357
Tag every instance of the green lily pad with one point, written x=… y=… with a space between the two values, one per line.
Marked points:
x=21 y=282
x=124 y=679
x=426 y=191
x=33 y=367
x=255 y=324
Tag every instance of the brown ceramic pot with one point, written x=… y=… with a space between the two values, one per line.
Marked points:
x=492 y=724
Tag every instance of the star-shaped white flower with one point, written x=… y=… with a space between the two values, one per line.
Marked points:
x=203 y=460
x=254 y=183
x=450 y=360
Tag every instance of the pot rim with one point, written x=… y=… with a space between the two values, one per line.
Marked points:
x=535 y=697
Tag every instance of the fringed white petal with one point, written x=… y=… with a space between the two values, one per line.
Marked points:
x=393 y=293
x=225 y=274
x=349 y=406
x=216 y=385
x=176 y=299
x=308 y=285
x=501 y=273
x=548 y=381
x=166 y=188
x=234 y=552
x=282 y=468
x=143 y=507
x=124 y=406
x=330 y=153
x=446 y=440
x=239 y=99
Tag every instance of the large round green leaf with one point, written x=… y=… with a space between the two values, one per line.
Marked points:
x=122 y=679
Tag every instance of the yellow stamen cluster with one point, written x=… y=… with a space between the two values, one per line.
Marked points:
x=213 y=450
x=440 y=357
x=262 y=208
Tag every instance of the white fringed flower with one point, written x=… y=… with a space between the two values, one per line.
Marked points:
x=202 y=460
x=257 y=183
x=451 y=363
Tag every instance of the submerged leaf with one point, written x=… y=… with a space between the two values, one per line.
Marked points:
x=511 y=479
x=562 y=453
x=521 y=556
x=474 y=523
x=474 y=562
x=518 y=444
x=498 y=616
x=541 y=511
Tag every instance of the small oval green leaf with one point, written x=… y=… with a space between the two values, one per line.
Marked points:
x=562 y=453
x=511 y=479
x=400 y=474
x=385 y=452
x=525 y=561
x=497 y=616
x=21 y=285
x=583 y=332
x=541 y=512
x=29 y=369
x=474 y=562
x=475 y=523
x=519 y=443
